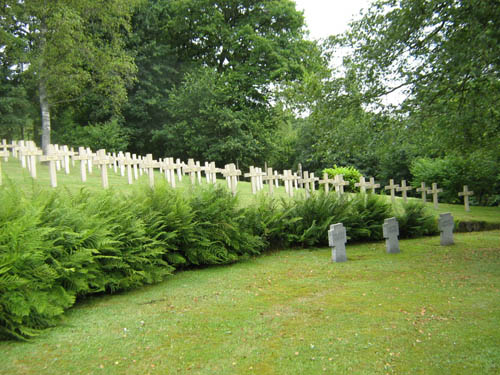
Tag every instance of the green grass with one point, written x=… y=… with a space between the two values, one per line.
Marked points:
x=12 y=171
x=427 y=310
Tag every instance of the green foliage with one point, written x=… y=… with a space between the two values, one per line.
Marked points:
x=108 y=135
x=366 y=216
x=350 y=174
x=478 y=170
x=415 y=220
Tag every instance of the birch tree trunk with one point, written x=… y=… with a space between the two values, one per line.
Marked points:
x=45 y=110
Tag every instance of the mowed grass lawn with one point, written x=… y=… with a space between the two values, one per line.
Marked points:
x=427 y=310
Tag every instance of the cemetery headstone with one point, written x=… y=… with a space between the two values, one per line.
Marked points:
x=445 y=226
x=5 y=150
x=149 y=164
x=3 y=154
x=253 y=178
x=423 y=189
x=435 y=191
x=373 y=185
x=52 y=157
x=466 y=194
x=404 y=189
x=269 y=177
x=392 y=187
x=84 y=158
x=362 y=184
x=339 y=184
x=336 y=239
x=390 y=230
x=102 y=160
x=231 y=173
x=326 y=181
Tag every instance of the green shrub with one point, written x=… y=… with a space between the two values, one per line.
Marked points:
x=480 y=171
x=350 y=174
x=366 y=216
x=415 y=220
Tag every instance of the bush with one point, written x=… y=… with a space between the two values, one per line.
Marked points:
x=350 y=174
x=480 y=171
x=415 y=220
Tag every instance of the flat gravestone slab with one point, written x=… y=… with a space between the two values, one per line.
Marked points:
x=446 y=226
x=336 y=239
x=391 y=233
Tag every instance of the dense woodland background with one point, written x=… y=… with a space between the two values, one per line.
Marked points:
x=238 y=81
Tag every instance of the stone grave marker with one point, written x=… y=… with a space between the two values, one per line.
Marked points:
x=253 y=178
x=423 y=189
x=66 y=154
x=3 y=154
x=120 y=159
x=362 y=184
x=404 y=189
x=269 y=177
x=313 y=181
x=392 y=187
x=5 y=150
x=102 y=160
x=191 y=169
x=326 y=181
x=435 y=191
x=373 y=185
x=339 y=184
x=390 y=230
x=90 y=164
x=305 y=182
x=288 y=181
x=336 y=240
x=231 y=174
x=149 y=164
x=466 y=194
x=84 y=158
x=127 y=163
x=198 y=172
x=32 y=152
x=52 y=157
x=446 y=226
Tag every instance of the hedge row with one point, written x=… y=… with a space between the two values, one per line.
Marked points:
x=58 y=246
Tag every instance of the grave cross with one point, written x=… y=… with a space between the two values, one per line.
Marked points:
x=4 y=154
x=339 y=184
x=169 y=167
x=150 y=164
x=362 y=184
x=102 y=160
x=392 y=187
x=90 y=163
x=66 y=153
x=325 y=181
x=127 y=162
x=120 y=159
x=270 y=178
x=253 y=174
x=336 y=240
x=231 y=174
x=31 y=152
x=390 y=231
x=445 y=226
x=423 y=189
x=52 y=157
x=435 y=191
x=466 y=194
x=84 y=158
x=288 y=181
x=191 y=168
x=313 y=181
x=404 y=189
x=373 y=185
x=305 y=182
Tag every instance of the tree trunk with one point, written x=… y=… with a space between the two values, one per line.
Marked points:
x=45 y=110
x=42 y=88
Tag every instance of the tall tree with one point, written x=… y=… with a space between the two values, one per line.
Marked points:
x=446 y=55
x=70 y=47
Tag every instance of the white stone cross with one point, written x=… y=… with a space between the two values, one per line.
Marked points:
x=362 y=184
x=31 y=152
x=403 y=188
x=19 y=148
x=253 y=174
x=127 y=163
x=373 y=185
x=3 y=154
x=169 y=167
x=336 y=240
x=445 y=226
x=339 y=183
x=466 y=194
x=390 y=230
x=52 y=157
x=435 y=191
x=392 y=187
x=231 y=174
x=84 y=158
x=66 y=154
x=191 y=168
x=198 y=171
x=120 y=159
x=90 y=164
x=326 y=181
x=313 y=181
x=288 y=179
x=270 y=178
x=305 y=182
x=102 y=160
x=150 y=164
x=423 y=189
